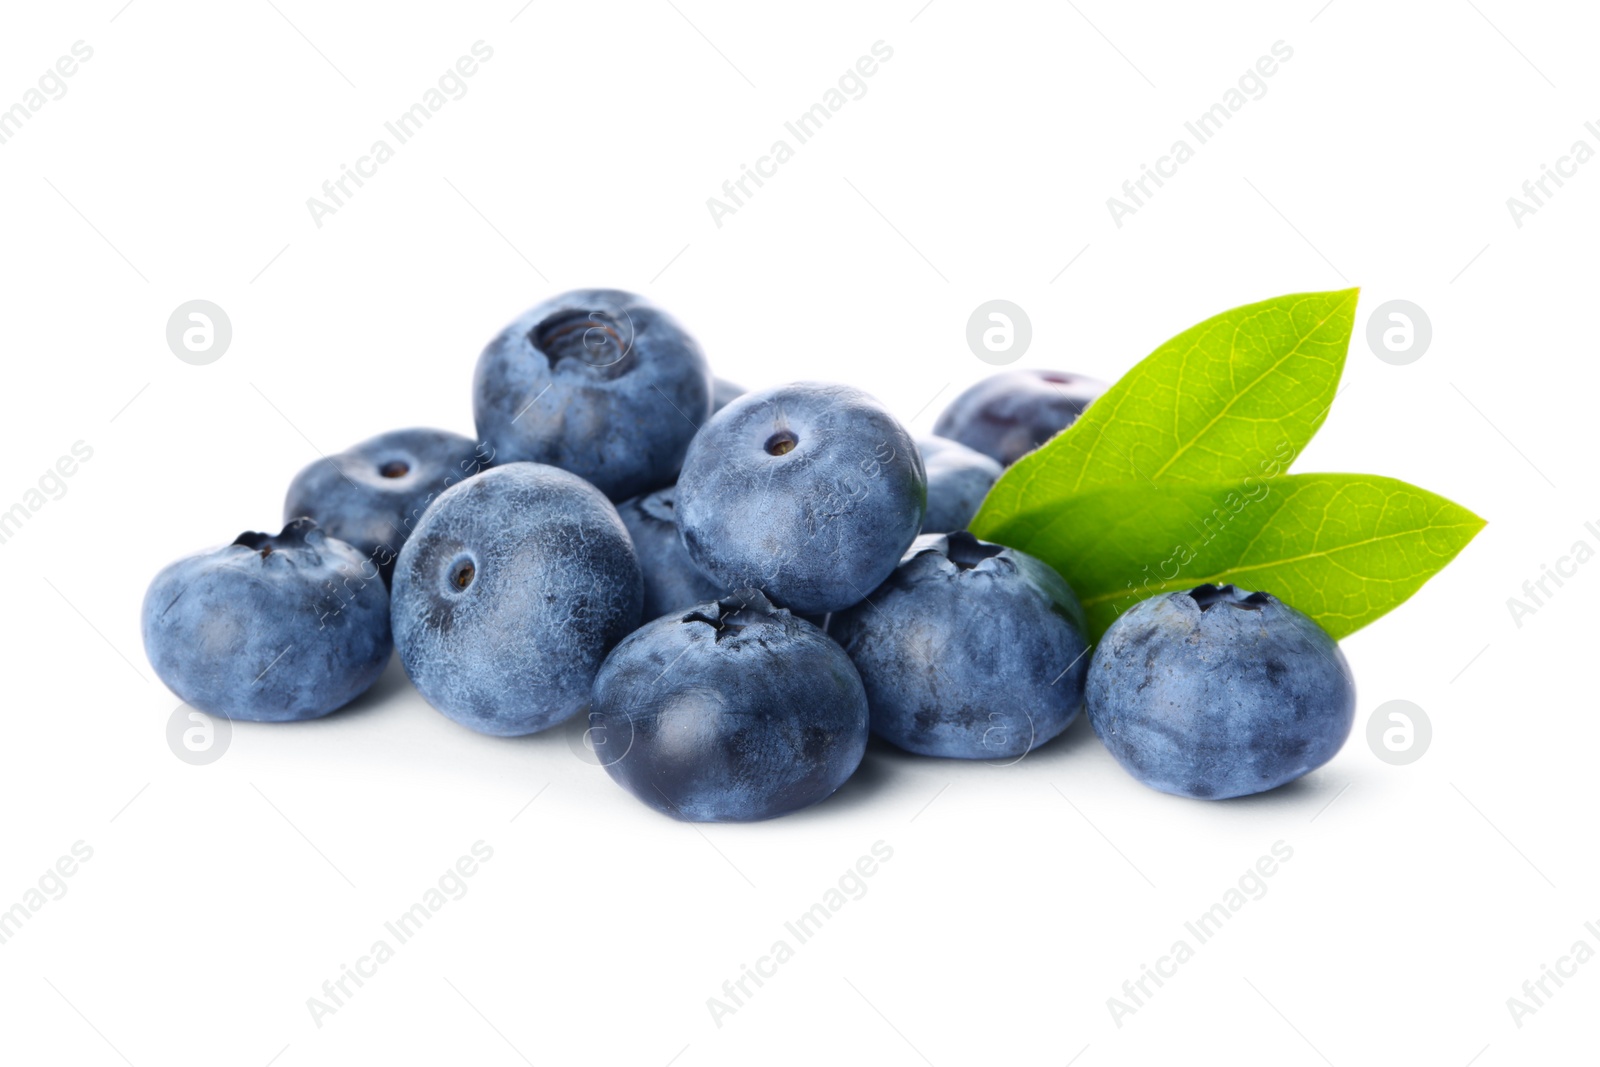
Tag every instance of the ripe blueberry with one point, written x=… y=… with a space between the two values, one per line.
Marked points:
x=969 y=650
x=732 y=711
x=271 y=628
x=1217 y=692
x=372 y=494
x=958 y=479
x=598 y=382
x=510 y=593
x=809 y=492
x=1008 y=415
x=671 y=580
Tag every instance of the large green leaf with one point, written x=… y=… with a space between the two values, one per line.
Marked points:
x=1343 y=548
x=1216 y=404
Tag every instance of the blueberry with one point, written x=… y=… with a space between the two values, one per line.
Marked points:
x=723 y=393
x=809 y=492
x=958 y=480
x=733 y=711
x=509 y=594
x=1219 y=693
x=371 y=495
x=270 y=628
x=969 y=650
x=598 y=382
x=1008 y=415
x=671 y=580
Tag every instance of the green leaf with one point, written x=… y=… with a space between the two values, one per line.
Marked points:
x=1213 y=405
x=1342 y=548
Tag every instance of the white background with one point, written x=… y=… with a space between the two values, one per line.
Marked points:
x=977 y=166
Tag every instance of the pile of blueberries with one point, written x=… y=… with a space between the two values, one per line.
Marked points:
x=782 y=573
